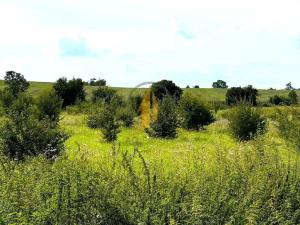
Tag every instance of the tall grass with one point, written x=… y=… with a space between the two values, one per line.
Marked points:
x=253 y=183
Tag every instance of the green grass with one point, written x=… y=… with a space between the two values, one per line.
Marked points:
x=207 y=94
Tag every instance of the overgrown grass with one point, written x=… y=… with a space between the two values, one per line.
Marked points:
x=201 y=177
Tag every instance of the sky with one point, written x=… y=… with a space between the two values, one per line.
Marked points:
x=127 y=42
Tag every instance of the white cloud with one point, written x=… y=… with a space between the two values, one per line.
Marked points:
x=196 y=41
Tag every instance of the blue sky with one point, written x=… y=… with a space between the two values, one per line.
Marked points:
x=128 y=42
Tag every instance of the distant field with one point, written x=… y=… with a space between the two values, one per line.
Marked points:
x=207 y=94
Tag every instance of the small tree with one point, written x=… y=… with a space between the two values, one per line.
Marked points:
x=236 y=95
x=109 y=123
x=293 y=97
x=245 y=122
x=16 y=83
x=289 y=86
x=105 y=94
x=219 y=84
x=167 y=120
x=196 y=86
x=166 y=87
x=195 y=115
x=24 y=134
x=49 y=105
x=70 y=91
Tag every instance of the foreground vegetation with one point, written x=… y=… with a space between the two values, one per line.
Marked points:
x=95 y=163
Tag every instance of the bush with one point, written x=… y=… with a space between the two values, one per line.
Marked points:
x=16 y=83
x=7 y=98
x=288 y=124
x=24 y=134
x=167 y=120
x=49 y=106
x=245 y=122
x=110 y=125
x=166 y=87
x=126 y=115
x=71 y=91
x=194 y=113
x=278 y=100
x=236 y=95
x=135 y=102
x=293 y=97
x=106 y=95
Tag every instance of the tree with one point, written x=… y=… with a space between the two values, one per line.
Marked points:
x=167 y=120
x=195 y=115
x=16 y=83
x=187 y=86
x=105 y=94
x=49 y=105
x=246 y=122
x=99 y=82
x=236 y=95
x=70 y=91
x=293 y=97
x=219 y=84
x=166 y=87
x=25 y=134
x=289 y=86
x=196 y=86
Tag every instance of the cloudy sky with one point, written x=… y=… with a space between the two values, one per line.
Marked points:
x=132 y=41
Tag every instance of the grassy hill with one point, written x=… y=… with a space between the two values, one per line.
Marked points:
x=207 y=94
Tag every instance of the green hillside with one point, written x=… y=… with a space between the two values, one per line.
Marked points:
x=207 y=94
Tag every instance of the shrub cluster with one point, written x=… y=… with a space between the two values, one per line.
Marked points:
x=166 y=87
x=71 y=91
x=292 y=99
x=195 y=115
x=236 y=95
x=167 y=119
x=246 y=122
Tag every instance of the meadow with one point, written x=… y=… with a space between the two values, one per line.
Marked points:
x=200 y=177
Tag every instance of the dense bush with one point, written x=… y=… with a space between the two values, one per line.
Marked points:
x=71 y=91
x=288 y=124
x=95 y=82
x=293 y=97
x=16 y=83
x=195 y=115
x=135 y=102
x=106 y=95
x=246 y=122
x=24 y=134
x=166 y=87
x=49 y=105
x=125 y=115
x=6 y=98
x=167 y=119
x=236 y=95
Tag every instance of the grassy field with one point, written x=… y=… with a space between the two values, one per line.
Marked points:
x=200 y=177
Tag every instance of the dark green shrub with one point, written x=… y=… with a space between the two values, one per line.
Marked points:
x=278 y=100
x=71 y=91
x=24 y=134
x=135 y=102
x=166 y=87
x=245 y=122
x=195 y=115
x=7 y=98
x=293 y=97
x=236 y=95
x=16 y=83
x=109 y=124
x=49 y=105
x=126 y=115
x=106 y=95
x=167 y=120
